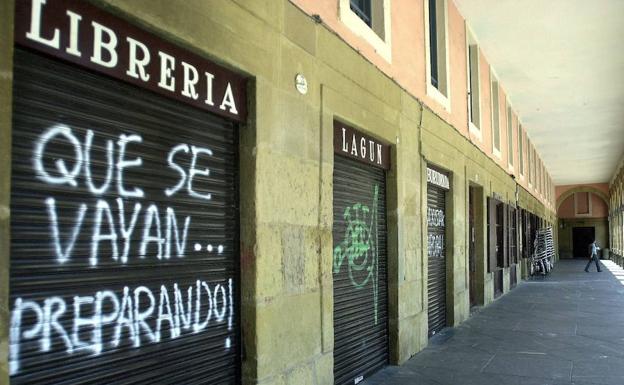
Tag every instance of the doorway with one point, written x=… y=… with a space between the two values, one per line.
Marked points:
x=581 y=238
x=472 y=247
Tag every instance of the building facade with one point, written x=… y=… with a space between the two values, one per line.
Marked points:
x=616 y=215
x=256 y=192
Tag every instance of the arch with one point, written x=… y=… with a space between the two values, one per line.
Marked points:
x=590 y=189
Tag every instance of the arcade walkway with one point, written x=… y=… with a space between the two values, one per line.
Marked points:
x=567 y=328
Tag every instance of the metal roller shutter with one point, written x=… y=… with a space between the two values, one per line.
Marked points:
x=436 y=245
x=360 y=276
x=120 y=273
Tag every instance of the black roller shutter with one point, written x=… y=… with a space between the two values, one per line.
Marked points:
x=492 y=236
x=436 y=246
x=91 y=305
x=359 y=271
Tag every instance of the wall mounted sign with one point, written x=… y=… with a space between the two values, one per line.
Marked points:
x=351 y=143
x=301 y=83
x=85 y=35
x=497 y=196
x=437 y=178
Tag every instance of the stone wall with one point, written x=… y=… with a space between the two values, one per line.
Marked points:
x=286 y=165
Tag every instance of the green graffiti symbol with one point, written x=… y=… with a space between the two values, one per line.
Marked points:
x=359 y=246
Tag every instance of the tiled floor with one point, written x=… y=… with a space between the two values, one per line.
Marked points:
x=567 y=328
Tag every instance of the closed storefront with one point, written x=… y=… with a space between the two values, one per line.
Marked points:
x=512 y=234
x=359 y=255
x=124 y=202
x=437 y=186
x=497 y=242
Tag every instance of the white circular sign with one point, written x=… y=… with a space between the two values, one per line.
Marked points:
x=301 y=83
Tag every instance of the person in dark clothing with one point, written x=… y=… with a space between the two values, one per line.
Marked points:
x=593 y=256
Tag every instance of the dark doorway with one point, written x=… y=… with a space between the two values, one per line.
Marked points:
x=581 y=238
x=472 y=248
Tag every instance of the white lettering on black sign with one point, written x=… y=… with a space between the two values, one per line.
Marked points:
x=358 y=148
x=83 y=34
x=354 y=144
x=437 y=178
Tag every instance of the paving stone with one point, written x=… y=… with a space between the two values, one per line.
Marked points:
x=530 y=364
x=563 y=329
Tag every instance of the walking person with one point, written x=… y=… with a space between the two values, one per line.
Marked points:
x=593 y=256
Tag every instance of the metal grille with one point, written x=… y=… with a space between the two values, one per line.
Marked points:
x=359 y=271
x=120 y=273
x=436 y=240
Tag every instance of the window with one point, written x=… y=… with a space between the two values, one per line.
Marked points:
x=543 y=178
x=538 y=182
x=362 y=9
x=520 y=149
x=547 y=188
x=530 y=162
x=534 y=158
x=582 y=204
x=541 y=174
x=495 y=118
x=510 y=151
x=369 y=19
x=436 y=40
x=474 y=82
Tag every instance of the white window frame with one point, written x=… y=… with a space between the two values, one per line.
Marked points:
x=382 y=45
x=495 y=121
x=442 y=97
x=520 y=150
x=471 y=42
x=540 y=173
x=529 y=163
x=509 y=120
x=534 y=156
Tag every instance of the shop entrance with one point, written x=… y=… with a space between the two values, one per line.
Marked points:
x=114 y=264
x=581 y=238
x=472 y=245
x=360 y=261
x=437 y=187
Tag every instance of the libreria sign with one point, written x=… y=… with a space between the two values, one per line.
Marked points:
x=82 y=34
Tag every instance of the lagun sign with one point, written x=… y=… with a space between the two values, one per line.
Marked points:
x=123 y=224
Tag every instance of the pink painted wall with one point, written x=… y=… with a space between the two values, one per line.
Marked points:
x=599 y=208
x=559 y=190
x=408 y=69
x=566 y=210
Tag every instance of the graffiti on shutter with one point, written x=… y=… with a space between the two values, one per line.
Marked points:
x=359 y=247
x=123 y=232
x=164 y=235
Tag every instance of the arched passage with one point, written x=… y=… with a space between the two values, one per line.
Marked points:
x=570 y=192
x=582 y=213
